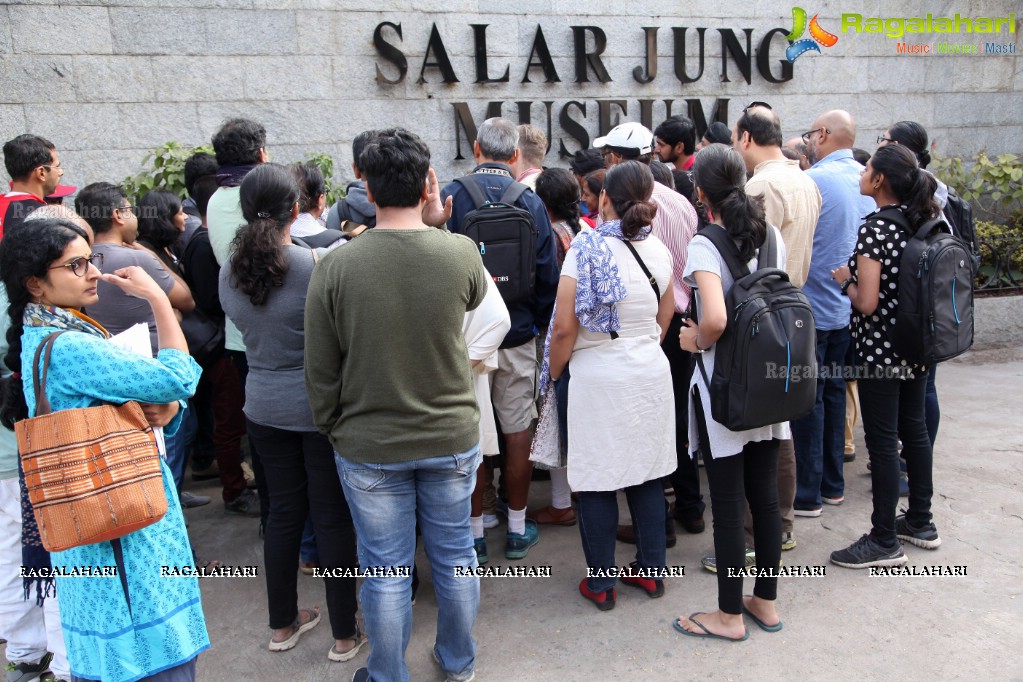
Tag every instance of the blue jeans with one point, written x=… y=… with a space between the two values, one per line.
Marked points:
x=178 y=445
x=598 y=521
x=308 y=551
x=386 y=500
x=819 y=437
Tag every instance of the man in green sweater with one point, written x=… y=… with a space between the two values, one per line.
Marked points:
x=390 y=383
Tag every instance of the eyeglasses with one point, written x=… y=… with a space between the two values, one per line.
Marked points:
x=754 y=105
x=80 y=265
x=809 y=133
x=129 y=208
x=882 y=138
x=59 y=168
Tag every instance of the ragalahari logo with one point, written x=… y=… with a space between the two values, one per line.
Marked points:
x=817 y=35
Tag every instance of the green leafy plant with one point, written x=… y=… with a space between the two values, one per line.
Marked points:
x=993 y=184
x=1001 y=254
x=325 y=162
x=164 y=168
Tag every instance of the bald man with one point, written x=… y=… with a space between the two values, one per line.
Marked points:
x=797 y=148
x=65 y=212
x=819 y=438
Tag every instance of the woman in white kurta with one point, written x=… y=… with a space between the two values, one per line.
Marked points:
x=609 y=321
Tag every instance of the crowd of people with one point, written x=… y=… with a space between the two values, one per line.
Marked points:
x=359 y=376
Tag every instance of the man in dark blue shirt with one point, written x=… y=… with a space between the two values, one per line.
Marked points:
x=514 y=382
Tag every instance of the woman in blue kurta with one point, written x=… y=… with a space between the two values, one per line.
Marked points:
x=137 y=625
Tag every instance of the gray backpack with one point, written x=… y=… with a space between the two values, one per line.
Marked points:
x=765 y=363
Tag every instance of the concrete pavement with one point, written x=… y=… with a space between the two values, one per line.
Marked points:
x=845 y=625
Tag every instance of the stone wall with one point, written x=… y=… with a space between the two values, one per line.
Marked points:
x=106 y=80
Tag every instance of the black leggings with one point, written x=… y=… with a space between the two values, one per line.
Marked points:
x=303 y=480
x=751 y=475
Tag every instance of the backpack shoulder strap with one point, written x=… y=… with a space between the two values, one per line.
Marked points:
x=512 y=194
x=726 y=247
x=474 y=191
x=768 y=255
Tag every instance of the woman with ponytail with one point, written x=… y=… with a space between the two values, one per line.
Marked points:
x=891 y=388
x=559 y=191
x=614 y=304
x=742 y=466
x=913 y=136
x=263 y=290
x=138 y=625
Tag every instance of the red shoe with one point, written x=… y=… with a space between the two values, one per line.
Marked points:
x=653 y=588
x=605 y=601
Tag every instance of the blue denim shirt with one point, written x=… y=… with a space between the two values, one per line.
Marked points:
x=842 y=211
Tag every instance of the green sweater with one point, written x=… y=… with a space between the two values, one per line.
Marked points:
x=386 y=367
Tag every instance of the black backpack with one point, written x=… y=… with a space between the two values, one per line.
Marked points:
x=506 y=236
x=934 y=318
x=765 y=363
x=959 y=215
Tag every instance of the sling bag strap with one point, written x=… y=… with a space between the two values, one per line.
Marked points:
x=39 y=384
x=646 y=270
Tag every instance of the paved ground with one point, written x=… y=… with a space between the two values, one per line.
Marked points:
x=843 y=626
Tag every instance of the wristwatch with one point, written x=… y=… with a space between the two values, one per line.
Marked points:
x=845 y=285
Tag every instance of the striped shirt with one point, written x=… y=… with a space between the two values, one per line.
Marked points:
x=675 y=224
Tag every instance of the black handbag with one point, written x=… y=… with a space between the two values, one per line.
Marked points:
x=205 y=337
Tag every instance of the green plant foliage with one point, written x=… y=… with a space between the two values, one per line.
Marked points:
x=992 y=184
x=325 y=162
x=163 y=168
x=1001 y=254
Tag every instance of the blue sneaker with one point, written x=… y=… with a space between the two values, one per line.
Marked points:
x=480 y=545
x=518 y=544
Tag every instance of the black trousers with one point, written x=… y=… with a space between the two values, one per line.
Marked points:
x=302 y=480
x=750 y=476
x=894 y=409
x=241 y=365
x=685 y=480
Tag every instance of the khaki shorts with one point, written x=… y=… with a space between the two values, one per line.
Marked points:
x=513 y=390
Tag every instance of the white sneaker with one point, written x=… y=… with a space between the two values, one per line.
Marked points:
x=491 y=521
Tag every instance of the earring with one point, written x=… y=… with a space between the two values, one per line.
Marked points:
x=699 y=204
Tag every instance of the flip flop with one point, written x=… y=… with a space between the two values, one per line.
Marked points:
x=707 y=633
x=290 y=642
x=763 y=626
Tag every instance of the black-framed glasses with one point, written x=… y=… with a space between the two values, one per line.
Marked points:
x=882 y=138
x=80 y=265
x=809 y=133
x=754 y=105
x=130 y=208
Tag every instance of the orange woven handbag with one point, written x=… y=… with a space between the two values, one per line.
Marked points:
x=92 y=473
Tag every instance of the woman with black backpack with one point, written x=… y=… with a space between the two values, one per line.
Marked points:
x=891 y=388
x=741 y=465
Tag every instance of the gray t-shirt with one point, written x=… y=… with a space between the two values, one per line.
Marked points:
x=274 y=335
x=116 y=310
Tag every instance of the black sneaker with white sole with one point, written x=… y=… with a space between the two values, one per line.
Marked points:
x=866 y=552
x=922 y=536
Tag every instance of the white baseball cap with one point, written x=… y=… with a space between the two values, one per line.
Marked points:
x=629 y=135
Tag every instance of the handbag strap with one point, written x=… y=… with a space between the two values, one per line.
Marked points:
x=39 y=384
x=646 y=271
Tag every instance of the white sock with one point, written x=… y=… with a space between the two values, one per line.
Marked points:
x=561 y=494
x=517 y=520
x=476 y=524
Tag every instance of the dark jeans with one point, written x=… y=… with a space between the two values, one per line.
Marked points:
x=201 y=405
x=598 y=521
x=933 y=413
x=689 y=504
x=226 y=396
x=819 y=437
x=241 y=365
x=303 y=481
x=750 y=476
x=894 y=409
